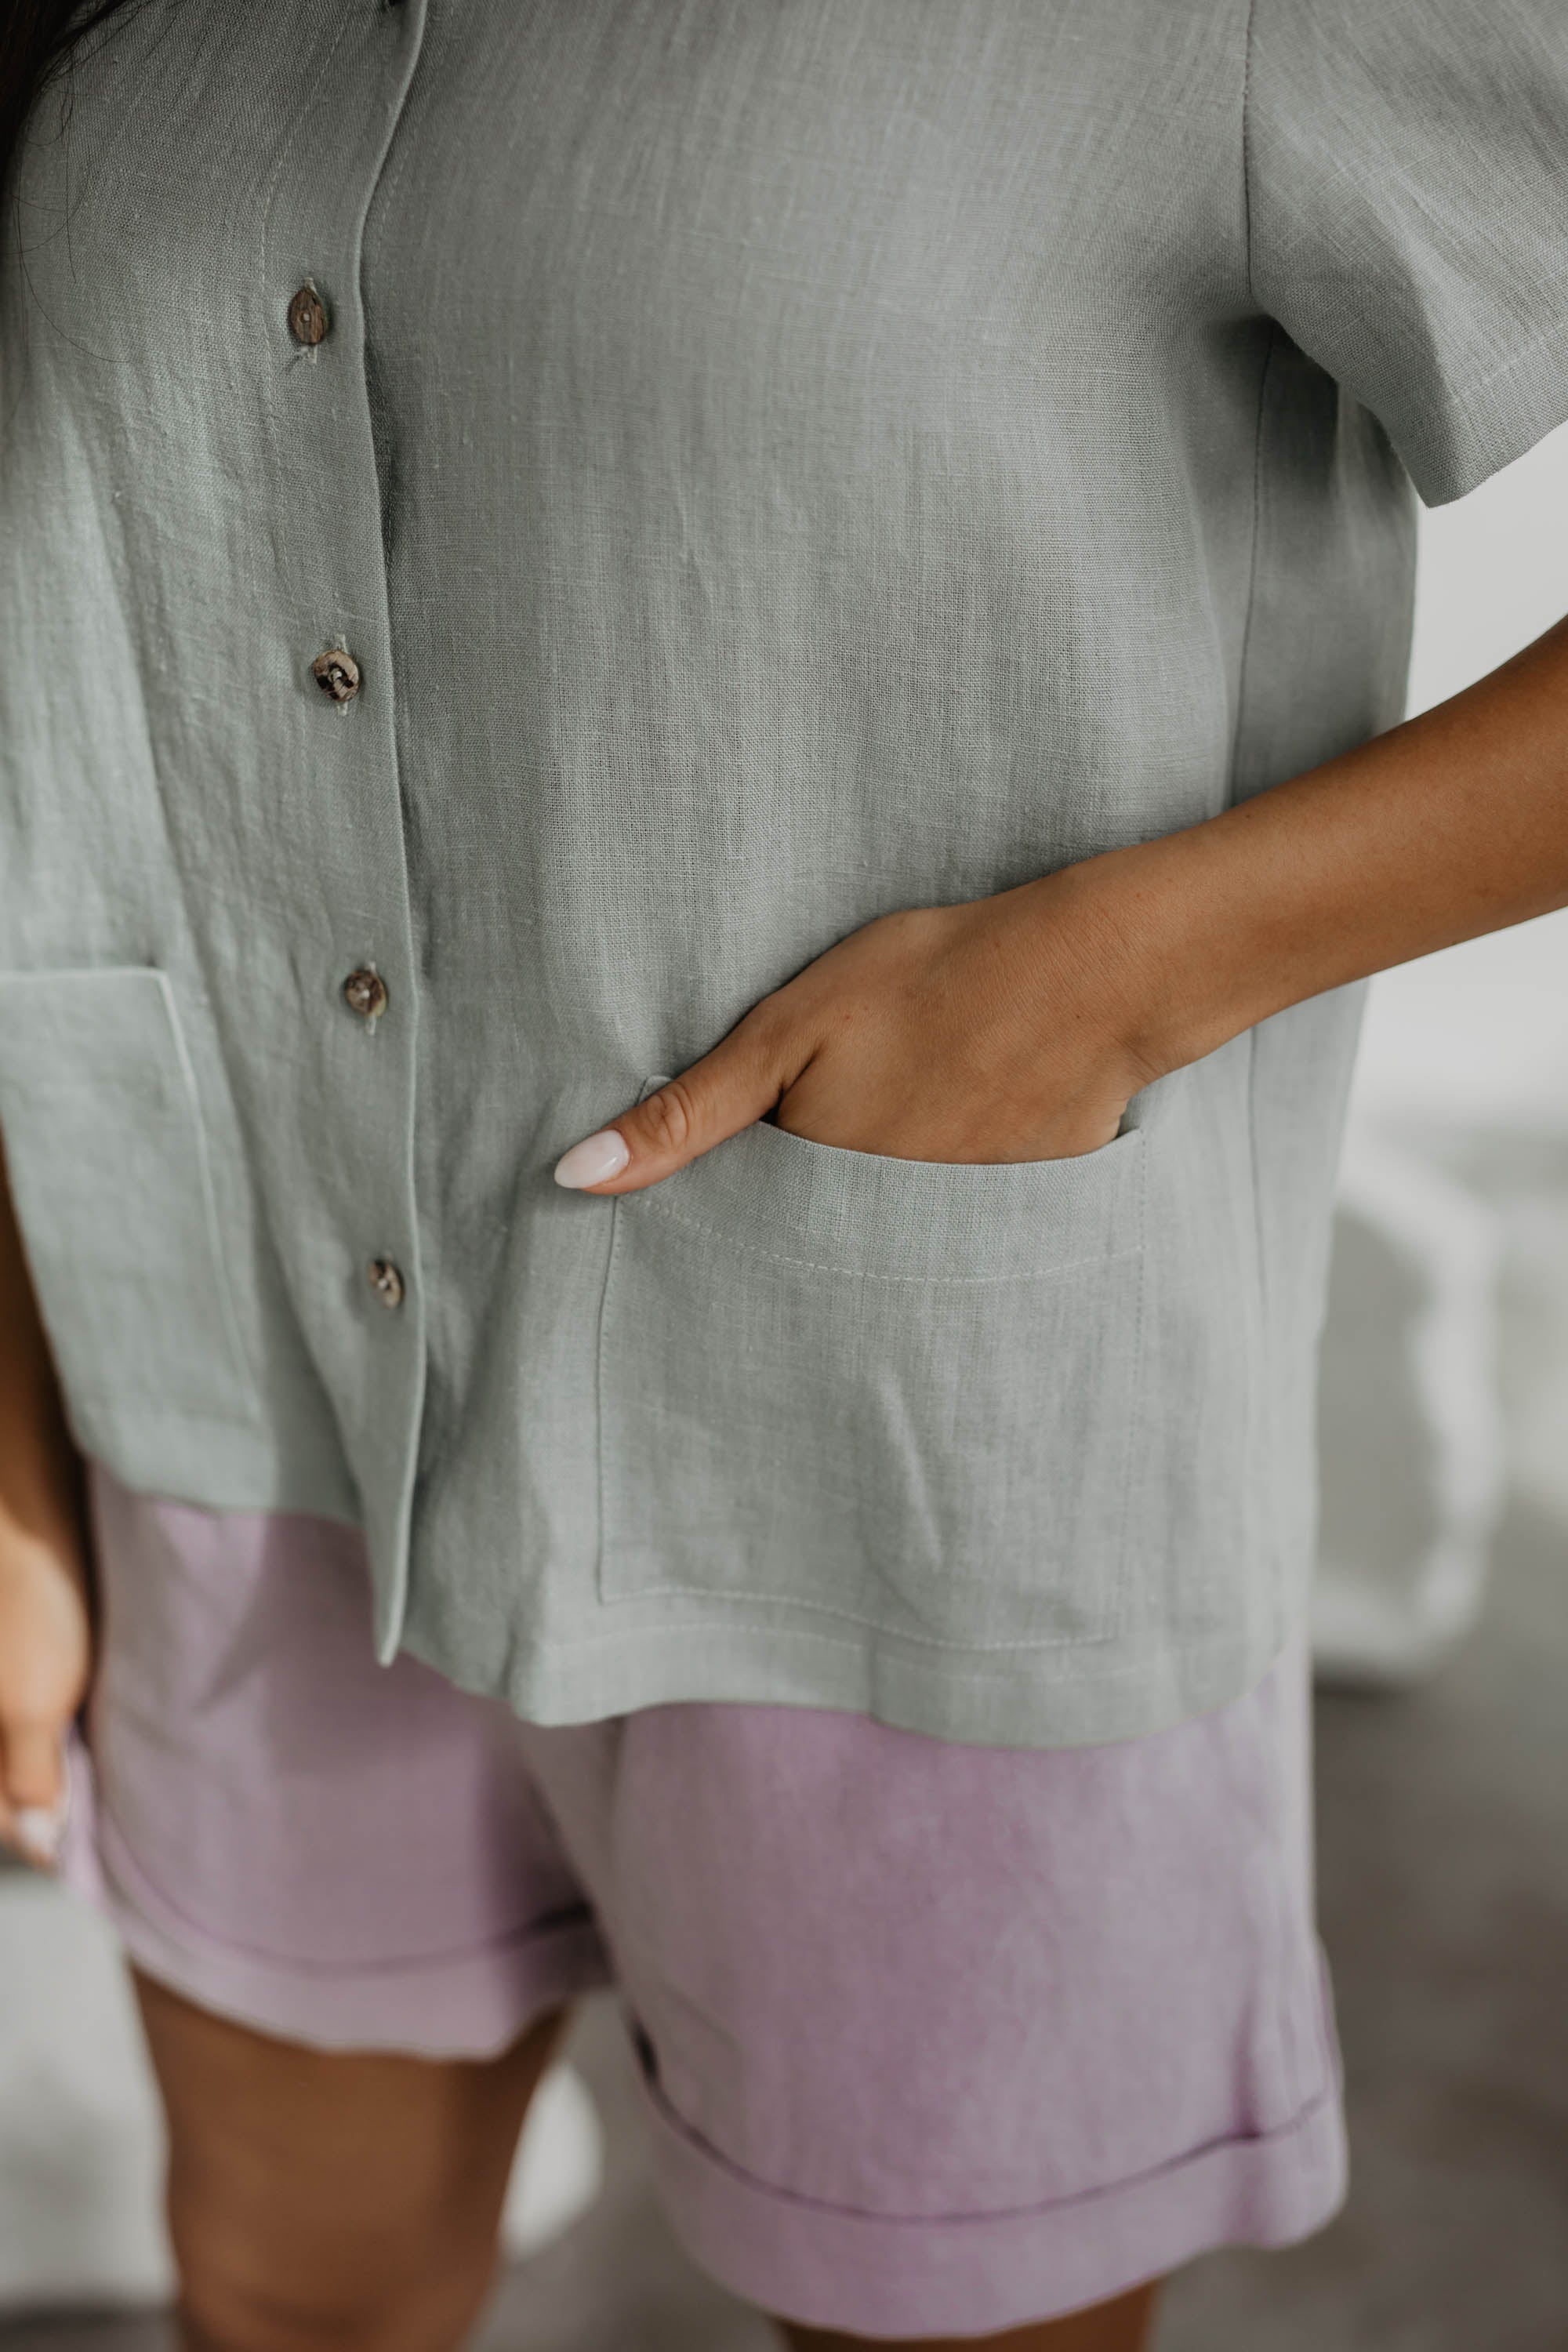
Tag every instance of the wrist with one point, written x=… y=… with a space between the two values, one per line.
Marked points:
x=1110 y=952
x=1159 y=947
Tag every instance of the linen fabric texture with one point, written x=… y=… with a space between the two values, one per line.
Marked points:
x=771 y=466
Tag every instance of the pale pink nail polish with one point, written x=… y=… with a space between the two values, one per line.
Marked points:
x=39 y=1831
x=592 y=1161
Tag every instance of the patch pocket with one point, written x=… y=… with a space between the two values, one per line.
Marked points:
x=113 y=1193
x=898 y=1391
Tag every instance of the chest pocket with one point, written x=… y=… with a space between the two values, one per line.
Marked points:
x=113 y=1188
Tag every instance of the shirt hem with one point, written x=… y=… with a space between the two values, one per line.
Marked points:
x=971 y=1697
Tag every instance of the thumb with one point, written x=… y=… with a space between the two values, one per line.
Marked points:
x=728 y=1089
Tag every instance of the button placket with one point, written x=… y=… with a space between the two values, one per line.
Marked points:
x=337 y=673
x=350 y=816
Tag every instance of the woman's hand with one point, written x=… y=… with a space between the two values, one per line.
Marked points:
x=989 y=1030
x=45 y=1657
x=46 y=1643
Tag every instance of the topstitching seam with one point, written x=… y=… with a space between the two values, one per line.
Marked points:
x=922 y=1281
x=704 y=2150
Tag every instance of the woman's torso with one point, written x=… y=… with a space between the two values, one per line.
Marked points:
x=770 y=465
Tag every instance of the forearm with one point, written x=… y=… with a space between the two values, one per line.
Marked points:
x=1448 y=826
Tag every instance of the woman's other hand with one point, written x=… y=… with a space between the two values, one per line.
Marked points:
x=46 y=1643
x=45 y=1654
x=989 y=1031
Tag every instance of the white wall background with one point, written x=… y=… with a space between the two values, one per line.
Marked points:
x=1481 y=1031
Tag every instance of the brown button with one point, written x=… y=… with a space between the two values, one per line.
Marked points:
x=337 y=673
x=364 y=992
x=385 y=1281
x=308 y=318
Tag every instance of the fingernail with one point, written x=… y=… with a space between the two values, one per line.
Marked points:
x=39 y=1831
x=597 y=1157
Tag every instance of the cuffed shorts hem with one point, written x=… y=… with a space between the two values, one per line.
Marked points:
x=877 y=2274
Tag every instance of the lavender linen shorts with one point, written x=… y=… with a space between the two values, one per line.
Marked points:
x=935 y=2039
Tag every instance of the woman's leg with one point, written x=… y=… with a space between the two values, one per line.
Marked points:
x=1119 y=2326
x=325 y=2201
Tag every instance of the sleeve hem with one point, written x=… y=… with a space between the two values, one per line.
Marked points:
x=1486 y=424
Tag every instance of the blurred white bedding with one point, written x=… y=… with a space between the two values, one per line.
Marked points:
x=81 y=2145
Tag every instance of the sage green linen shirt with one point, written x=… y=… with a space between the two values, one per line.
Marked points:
x=765 y=462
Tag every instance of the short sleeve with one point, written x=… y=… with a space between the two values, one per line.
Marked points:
x=1407 y=215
